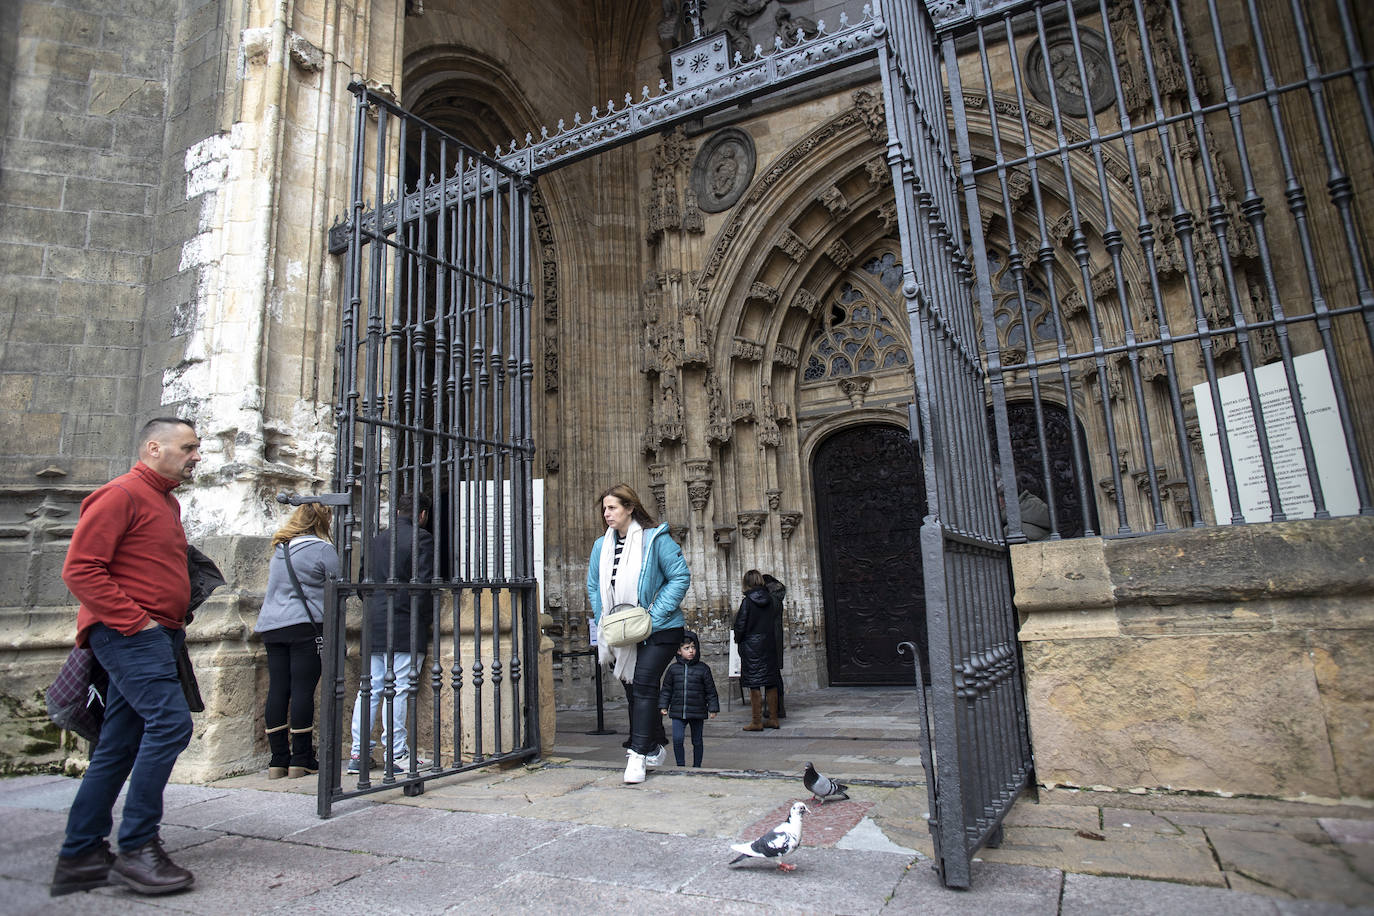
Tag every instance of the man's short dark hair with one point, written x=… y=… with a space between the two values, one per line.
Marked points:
x=407 y=504
x=158 y=425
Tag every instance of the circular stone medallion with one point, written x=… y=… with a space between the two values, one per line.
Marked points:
x=723 y=170
x=1064 y=71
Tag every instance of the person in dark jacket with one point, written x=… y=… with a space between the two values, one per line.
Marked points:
x=756 y=639
x=391 y=609
x=688 y=697
x=779 y=592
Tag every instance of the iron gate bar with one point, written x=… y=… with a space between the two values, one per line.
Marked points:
x=441 y=408
x=977 y=720
x=1158 y=345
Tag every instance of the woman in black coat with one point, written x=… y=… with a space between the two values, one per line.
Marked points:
x=756 y=639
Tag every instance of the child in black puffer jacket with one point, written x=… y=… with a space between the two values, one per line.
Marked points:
x=688 y=696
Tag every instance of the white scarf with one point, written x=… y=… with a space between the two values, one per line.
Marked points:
x=626 y=591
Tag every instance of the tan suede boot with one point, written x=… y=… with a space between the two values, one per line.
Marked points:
x=772 y=720
x=756 y=706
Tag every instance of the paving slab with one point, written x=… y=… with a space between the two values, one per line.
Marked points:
x=1092 y=895
x=271 y=815
x=237 y=875
x=29 y=842
x=825 y=880
x=656 y=862
x=30 y=898
x=1186 y=858
x=1302 y=870
x=404 y=888
x=539 y=895
x=54 y=793
x=995 y=889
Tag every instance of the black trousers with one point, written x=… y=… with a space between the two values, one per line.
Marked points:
x=293 y=672
x=646 y=722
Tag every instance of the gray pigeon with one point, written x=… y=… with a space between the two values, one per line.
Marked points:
x=777 y=842
x=822 y=788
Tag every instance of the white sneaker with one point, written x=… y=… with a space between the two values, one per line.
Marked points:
x=634 y=767
x=657 y=757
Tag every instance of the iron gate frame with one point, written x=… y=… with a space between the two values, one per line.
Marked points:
x=958 y=824
x=476 y=439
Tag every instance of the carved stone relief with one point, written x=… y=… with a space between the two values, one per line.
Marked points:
x=791 y=245
x=840 y=253
x=1058 y=56
x=751 y=523
x=833 y=200
x=763 y=292
x=723 y=169
x=807 y=301
x=550 y=363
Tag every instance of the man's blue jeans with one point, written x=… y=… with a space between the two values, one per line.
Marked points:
x=147 y=726
x=400 y=704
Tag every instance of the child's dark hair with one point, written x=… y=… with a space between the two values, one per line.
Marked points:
x=690 y=639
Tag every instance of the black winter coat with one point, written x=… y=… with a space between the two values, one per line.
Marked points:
x=756 y=639
x=416 y=567
x=689 y=690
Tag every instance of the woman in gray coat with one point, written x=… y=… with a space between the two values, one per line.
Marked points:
x=291 y=628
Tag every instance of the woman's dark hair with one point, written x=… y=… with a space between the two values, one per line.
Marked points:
x=627 y=497
x=753 y=579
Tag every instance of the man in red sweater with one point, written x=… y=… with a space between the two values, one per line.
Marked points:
x=127 y=567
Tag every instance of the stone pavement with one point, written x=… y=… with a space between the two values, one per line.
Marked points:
x=565 y=835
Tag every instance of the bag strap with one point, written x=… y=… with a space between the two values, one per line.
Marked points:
x=300 y=592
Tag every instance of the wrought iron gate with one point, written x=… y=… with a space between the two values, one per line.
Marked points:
x=974 y=710
x=433 y=402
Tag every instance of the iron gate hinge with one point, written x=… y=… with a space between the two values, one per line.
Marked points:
x=324 y=499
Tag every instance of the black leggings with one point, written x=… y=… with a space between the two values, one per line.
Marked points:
x=646 y=722
x=293 y=672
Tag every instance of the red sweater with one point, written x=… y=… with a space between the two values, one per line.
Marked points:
x=127 y=560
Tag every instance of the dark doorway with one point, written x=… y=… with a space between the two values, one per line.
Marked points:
x=870 y=499
x=1073 y=517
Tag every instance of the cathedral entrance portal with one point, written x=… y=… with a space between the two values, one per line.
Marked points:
x=870 y=498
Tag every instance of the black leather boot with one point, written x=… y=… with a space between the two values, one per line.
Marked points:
x=149 y=870
x=83 y=871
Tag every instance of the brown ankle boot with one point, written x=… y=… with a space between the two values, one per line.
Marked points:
x=772 y=720
x=756 y=707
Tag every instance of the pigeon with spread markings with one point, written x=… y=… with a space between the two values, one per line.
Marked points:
x=822 y=788
x=777 y=842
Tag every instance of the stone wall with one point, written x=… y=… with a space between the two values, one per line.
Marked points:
x=1234 y=660
x=87 y=91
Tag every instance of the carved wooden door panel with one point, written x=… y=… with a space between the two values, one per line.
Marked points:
x=1067 y=500
x=870 y=498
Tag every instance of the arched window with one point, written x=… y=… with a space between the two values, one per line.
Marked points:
x=856 y=334
x=1006 y=305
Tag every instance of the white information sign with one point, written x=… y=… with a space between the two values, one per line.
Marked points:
x=471 y=560
x=1290 y=469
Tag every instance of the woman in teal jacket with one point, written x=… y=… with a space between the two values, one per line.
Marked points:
x=636 y=562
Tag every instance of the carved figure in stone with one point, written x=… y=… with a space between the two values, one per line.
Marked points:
x=735 y=20
x=670 y=25
x=724 y=171
x=786 y=26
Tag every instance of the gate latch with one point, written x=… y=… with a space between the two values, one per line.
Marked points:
x=324 y=499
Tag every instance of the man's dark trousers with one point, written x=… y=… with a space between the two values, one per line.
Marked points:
x=147 y=726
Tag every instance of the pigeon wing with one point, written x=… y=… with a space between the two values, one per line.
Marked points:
x=772 y=844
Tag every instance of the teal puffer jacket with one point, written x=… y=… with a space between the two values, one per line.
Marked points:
x=663 y=579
